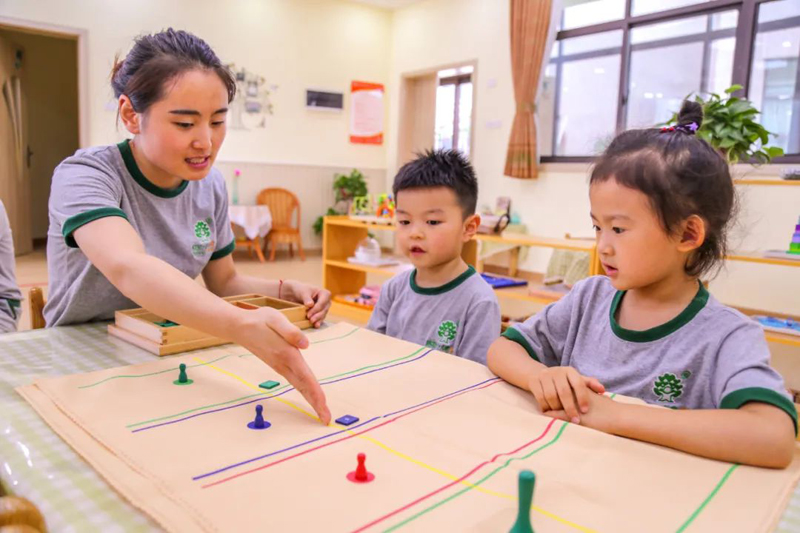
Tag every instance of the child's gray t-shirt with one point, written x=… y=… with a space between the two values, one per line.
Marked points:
x=708 y=357
x=10 y=295
x=461 y=317
x=187 y=227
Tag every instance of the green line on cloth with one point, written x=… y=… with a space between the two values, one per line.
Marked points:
x=273 y=391
x=469 y=488
x=151 y=373
x=699 y=510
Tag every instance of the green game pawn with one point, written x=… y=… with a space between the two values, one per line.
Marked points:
x=527 y=479
x=183 y=379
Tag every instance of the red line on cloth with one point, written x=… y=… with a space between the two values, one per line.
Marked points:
x=459 y=480
x=395 y=419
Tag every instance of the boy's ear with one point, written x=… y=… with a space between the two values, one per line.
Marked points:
x=128 y=115
x=471 y=226
x=692 y=234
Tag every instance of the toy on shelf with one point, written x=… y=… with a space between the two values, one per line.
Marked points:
x=386 y=206
x=366 y=298
x=494 y=222
x=794 y=247
x=365 y=209
x=779 y=325
x=368 y=252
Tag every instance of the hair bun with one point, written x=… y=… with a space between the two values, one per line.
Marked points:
x=690 y=112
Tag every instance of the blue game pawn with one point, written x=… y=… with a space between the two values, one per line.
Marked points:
x=527 y=479
x=259 y=422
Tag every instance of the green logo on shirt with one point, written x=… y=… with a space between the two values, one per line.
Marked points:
x=446 y=334
x=202 y=231
x=668 y=387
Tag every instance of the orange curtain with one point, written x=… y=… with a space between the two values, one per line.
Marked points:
x=530 y=33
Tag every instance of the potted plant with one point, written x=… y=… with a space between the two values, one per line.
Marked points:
x=346 y=187
x=729 y=125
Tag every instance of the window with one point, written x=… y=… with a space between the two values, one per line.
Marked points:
x=454 y=110
x=619 y=64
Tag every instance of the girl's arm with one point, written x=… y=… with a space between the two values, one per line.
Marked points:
x=114 y=248
x=221 y=278
x=757 y=434
x=510 y=361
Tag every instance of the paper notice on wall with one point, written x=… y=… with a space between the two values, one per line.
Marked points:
x=366 y=113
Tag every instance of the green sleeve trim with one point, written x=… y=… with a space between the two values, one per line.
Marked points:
x=84 y=218
x=513 y=335
x=13 y=304
x=222 y=252
x=738 y=398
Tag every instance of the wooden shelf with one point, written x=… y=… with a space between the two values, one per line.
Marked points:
x=766 y=181
x=755 y=257
x=383 y=271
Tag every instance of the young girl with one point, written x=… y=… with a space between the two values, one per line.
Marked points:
x=134 y=224
x=661 y=201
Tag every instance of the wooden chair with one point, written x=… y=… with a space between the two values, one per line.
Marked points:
x=36 y=307
x=251 y=244
x=282 y=205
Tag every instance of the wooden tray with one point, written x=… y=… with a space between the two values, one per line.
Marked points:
x=142 y=328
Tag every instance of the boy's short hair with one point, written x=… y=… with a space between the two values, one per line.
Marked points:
x=441 y=168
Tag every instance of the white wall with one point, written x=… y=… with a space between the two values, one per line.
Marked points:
x=294 y=44
x=442 y=32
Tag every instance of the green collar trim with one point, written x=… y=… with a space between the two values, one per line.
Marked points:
x=659 y=332
x=450 y=285
x=133 y=169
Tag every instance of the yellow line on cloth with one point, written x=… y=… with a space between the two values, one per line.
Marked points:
x=406 y=457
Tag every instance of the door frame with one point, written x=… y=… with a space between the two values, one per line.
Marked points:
x=68 y=32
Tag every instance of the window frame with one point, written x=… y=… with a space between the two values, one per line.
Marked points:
x=458 y=80
x=744 y=32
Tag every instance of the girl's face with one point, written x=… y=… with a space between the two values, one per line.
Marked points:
x=180 y=135
x=634 y=248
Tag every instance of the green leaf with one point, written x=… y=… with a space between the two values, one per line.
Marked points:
x=733 y=89
x=774 y=151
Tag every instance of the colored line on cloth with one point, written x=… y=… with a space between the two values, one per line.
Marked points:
x=710 y=497
x=150 y=374
x=264 y=395
x=316 y=342
x=479 y=482
x=346 y=430
x=612 y=396
x=304 y=452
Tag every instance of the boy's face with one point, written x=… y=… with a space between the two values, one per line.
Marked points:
x=633 y=246
x=431 y=229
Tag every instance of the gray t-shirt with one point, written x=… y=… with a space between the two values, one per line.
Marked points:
x=9 y=291
x=708 y=357
x=187 y=227
x=461 y=317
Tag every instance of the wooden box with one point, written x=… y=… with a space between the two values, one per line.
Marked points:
x=153 y=333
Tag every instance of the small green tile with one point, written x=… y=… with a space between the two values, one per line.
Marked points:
x=269 y=384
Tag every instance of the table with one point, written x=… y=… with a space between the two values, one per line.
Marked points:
x=35 y=463
x=255 y=220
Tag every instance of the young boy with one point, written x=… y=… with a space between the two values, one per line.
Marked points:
x=9 y=292
x=442 y=303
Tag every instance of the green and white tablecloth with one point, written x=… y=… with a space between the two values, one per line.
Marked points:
x=37 y=464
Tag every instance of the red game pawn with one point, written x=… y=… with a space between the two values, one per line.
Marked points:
x=361 y=475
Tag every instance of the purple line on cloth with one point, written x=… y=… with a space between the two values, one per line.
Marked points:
x=441 y=397
x=224 y=468
x=276 y=395
x=378 y=369
x=259 y=399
